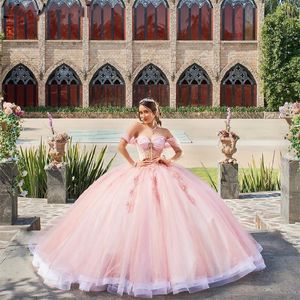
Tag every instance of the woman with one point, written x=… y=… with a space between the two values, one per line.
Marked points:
x=146 y=228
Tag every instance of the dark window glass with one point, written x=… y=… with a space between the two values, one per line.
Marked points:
x=194 y=20
x=20 y=19
x=238 y=20
x=150 y=20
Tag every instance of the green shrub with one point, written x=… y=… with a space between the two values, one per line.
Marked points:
x=84 y=167
x=258 y=179
x=295 y=135
x=280 y=66
x=164 y=110
x=252 y=179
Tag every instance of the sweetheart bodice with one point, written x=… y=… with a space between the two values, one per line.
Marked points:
x=151 y=147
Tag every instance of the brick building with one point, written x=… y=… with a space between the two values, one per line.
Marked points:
x=110 y=52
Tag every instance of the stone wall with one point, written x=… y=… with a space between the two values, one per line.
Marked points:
x=216 y=57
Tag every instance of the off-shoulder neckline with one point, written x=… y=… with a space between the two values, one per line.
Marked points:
x=154 y=136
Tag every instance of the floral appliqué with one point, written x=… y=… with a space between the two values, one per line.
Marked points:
x=183 y=186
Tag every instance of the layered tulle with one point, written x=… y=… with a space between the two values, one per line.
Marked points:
x=146 y=231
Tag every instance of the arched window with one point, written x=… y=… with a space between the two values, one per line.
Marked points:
x=150 y=20
x=63 y=88
x=238 y=20
x=194 y=20
x=194 y=87
x=238 y=88
x=107 y=87
x=20 y=86
x=20 y=19
x=107 y=20
x=64 y=20
x=151 y=81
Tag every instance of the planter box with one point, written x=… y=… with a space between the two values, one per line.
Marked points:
x=290 y=189
x=8 y=200
x=166 y=115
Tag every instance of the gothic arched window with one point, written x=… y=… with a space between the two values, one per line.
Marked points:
x=107 y=87
x=150 y=20
x=20 y=19
x=194 y=20
x=238 y=20
x=151 y=81
x=63 y=20
x=20 y=87
x=238 y=88
x=63 y=88
x=194 y=87
x=107 y=20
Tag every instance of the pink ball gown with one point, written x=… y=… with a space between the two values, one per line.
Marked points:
x=146 y=231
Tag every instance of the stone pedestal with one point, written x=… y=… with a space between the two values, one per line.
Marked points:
x=228 y=181
x=8 y=199
x=56 y=184
x=290 y=189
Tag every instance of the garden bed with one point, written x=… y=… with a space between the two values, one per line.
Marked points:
x=166 y=115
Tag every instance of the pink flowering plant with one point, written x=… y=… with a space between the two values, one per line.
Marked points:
x=10 y=129
x=225 y=133
x=292 y=112
x=289 y=110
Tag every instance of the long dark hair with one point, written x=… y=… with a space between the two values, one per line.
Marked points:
x=153 y=106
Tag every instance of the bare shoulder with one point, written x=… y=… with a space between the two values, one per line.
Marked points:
x=134 y=128
x=166 y=132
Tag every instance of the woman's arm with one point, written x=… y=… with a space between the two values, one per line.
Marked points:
x=132 y=132
x=175 y=146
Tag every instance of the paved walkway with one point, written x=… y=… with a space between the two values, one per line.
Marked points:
x=257 y=137
x=281 y=252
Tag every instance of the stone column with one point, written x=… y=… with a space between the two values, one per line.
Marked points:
x=228 y=181
x=85 y=57
x=129 y=53
x=260 y=19
x=173 y=50
x=290 y=189
x=216 y=19
x=8 y=200
x=42 y=59
x=56 y=184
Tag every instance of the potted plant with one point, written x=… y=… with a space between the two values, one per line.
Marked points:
x=228 y=140
x=57 y=144
x=288 y=110
x=10 y=185
x=290 y=165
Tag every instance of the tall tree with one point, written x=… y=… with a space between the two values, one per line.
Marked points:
x=280 y=65
x=271 y=5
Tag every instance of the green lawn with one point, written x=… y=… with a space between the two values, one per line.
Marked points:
x=255 y=181
x=202 y=173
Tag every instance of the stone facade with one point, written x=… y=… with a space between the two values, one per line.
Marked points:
x=129 y=57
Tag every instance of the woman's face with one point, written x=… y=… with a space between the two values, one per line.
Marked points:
x=146 y=114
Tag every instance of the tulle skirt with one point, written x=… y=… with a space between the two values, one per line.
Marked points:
x=146 y=231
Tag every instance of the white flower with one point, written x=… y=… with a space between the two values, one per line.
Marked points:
x=8 y=111
x=24 y=173
x=24 y=194
x=21 y=182
x=73 y=178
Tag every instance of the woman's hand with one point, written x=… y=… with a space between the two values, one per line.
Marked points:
x=165 y=161
x=143 y=163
